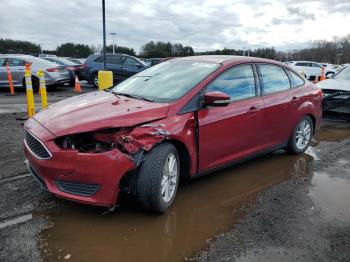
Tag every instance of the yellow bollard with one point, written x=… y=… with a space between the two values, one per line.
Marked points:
x=29 y=90
x=105 y=79
x=42 y=88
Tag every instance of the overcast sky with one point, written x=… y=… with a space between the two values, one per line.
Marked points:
x=205 y=25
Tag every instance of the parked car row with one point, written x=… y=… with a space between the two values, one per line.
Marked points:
x=55 y=75
x=123 y=66
x=313 y=70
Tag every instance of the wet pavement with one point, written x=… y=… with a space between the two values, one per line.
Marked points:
x=277 y=207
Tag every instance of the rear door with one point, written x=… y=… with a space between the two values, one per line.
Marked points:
x=231 y=132
x=316 y=69
x=277 y=110
x=17 y=70
x=114 y=63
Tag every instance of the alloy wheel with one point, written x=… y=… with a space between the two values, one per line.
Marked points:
x=303 y=134
x=169 y=178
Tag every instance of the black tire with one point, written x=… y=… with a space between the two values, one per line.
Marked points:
x=94 y=80
x=148 y=186
x=329 y=74
x=293 y=147
x=35 y=84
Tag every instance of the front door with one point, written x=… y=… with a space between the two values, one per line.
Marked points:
x=231 y=132
x=130 y=66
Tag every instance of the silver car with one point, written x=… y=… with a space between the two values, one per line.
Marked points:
x=54 y=75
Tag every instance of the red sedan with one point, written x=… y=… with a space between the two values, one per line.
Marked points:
x=181 y=118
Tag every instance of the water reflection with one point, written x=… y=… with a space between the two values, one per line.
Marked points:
x=202 y=209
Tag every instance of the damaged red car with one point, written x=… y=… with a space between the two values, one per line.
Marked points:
x=179 y=119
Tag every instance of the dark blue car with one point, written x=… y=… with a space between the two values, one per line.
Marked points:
x=122 y=66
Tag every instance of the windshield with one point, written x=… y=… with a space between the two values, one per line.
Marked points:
x=343 y=74
x=167 y=81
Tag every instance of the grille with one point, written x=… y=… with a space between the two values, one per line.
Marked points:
x=35 y=146
x=78 y=189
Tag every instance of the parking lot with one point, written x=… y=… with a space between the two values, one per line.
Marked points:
x=281 y=206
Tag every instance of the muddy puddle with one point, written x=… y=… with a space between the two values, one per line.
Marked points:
x=203 y=209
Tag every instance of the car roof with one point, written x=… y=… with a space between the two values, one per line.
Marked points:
x=15 y=55
x=222 y=59
x=305 y=62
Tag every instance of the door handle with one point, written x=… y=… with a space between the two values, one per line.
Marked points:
x=252 y=109
x=124 y=68
x=295 y=99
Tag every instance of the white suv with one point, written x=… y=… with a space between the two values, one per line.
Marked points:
x=311 y=70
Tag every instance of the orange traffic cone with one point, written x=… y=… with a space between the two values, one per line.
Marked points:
x=323 y=74
x=77 y=87
x=9 y=78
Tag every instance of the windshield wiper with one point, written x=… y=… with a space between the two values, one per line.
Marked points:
x=132 y=96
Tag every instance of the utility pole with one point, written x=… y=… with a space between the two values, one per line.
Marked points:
x=339 y=55
x=104 y=33
x=113 y=35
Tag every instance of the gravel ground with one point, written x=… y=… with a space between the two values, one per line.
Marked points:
x=11 y=144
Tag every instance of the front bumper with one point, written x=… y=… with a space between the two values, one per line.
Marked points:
x=81 y=177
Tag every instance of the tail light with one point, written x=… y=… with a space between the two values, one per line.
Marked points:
x=52 y=70
x=70 y=68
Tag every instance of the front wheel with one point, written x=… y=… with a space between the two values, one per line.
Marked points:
x=301 y=136
x=158 y=178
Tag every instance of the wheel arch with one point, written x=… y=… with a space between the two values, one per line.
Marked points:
x=185 y=159
x=313 y=118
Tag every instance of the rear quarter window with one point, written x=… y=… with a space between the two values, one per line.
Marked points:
x=295 y=80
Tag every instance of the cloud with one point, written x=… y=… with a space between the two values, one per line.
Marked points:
x=205 y=25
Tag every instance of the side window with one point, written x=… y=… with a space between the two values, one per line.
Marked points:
x=15 y=62
x=274 y=79
x=99 y=59
x=128 y=61
x=296 y=80
x=300 y=64
x=316 y=65
x=237 y=82
x=113 y=59
x=2 y=61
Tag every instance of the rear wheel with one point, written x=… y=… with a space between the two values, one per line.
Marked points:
x=158 y=178
x=301 y=136
x=330 y=74
x=35 y=84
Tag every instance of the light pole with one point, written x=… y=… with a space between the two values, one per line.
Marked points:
x=113 y=35
x=104 y=33
x=339 y=55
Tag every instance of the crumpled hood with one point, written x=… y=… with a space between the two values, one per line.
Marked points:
x=335 y=84
x=98 y=110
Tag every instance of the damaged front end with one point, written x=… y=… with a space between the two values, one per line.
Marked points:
x=336 y=103
x=92 y=167
x=132 y=141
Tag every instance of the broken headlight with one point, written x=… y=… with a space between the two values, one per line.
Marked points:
x=92 y=142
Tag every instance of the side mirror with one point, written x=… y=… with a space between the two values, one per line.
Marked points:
x=139 y=65
x=216 y=98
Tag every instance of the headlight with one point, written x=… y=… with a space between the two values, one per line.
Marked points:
x=92 y=142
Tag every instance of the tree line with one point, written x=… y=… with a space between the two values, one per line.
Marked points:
x=333 y=51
